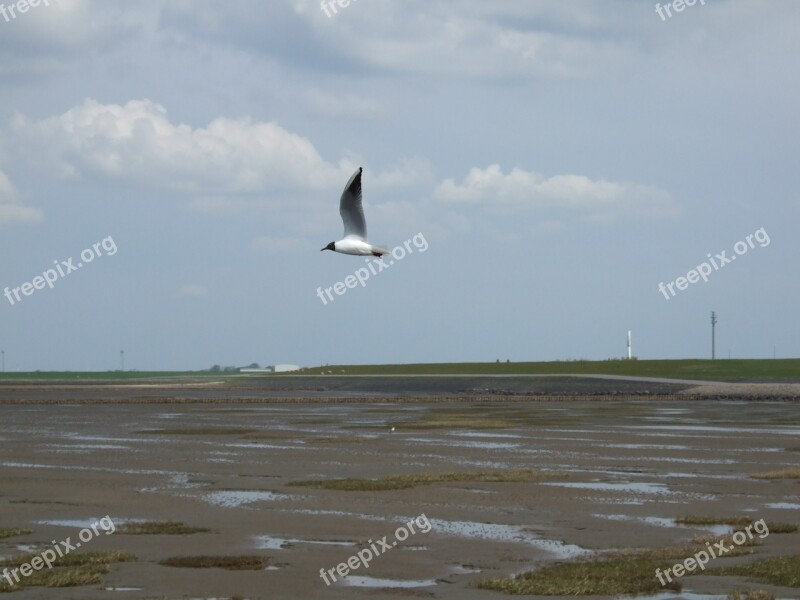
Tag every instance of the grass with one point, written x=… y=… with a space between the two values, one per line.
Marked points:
x=120 y=376
x=622 y=572
x=68 y=571
x=231 y=563
x=734 y=549
x=402 y=482
x=739 y=521
x=7 y=533
x=160 y=528
x=721 y=370
x=72 y=559
x=780 y=570
x=482 y=417
x=793 y=449
x=781 y=527
x=751 y=595
x=793 y=473
x=730 y=370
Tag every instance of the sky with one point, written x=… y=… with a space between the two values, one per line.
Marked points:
x=544 y=171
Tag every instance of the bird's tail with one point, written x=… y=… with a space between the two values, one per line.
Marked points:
x=380 y=251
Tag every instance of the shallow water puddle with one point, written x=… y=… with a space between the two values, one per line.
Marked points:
x=483 y=434
x=464 y=570
x=87 y=523
x=471 y=529
x=265 y=446
x=787 y=430
x=268 y=542
x=237 y=498
x=786 y=505
x=85 y=447
x=648 y=446
x=507 y=533
x=717 y=530
x=376 y=582
x=605 y=486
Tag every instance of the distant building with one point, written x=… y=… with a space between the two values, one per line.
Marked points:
x=286 y=368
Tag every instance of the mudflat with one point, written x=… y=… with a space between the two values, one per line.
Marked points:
x=500 y=481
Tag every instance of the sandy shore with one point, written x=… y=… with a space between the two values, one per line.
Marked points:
x=629 y=467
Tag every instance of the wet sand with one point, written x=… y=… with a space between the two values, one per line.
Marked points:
x=631 y=464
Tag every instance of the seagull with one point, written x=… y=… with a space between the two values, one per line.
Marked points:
x=355 y=226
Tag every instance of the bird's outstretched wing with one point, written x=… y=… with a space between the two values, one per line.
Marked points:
x=351 y=210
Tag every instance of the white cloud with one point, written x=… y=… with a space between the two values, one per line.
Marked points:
x=478 y=39
x=137 y=142
x=526 y=190
x=11 y=211
x=46 y=38
x=229 y=165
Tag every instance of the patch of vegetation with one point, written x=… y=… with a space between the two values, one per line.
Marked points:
x=734 y=549
x=751 y=595
x=120 y=376
x=401 y=482
x=793 y=449
x=231 y=563
x=160 y=528
x=742 y=520
x=73 y=559
x=781 y=527
x=614 y=573
x=71 y=570
x=779 y=570
x=199 y=431
x=484 y=417
x=601 y=577
x=7 y=533
x=792 y=473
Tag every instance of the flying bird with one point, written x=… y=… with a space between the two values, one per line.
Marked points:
x=355 y=226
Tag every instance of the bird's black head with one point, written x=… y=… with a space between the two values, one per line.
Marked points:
x=330 y=246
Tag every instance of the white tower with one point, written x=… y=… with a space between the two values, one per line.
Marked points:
x=630 y=356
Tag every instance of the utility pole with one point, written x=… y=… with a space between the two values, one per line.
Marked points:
x=713 y=335
x=122 y=360
x=3 y=353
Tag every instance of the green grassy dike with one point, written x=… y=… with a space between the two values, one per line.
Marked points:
x=734 y=370
x=721 y=370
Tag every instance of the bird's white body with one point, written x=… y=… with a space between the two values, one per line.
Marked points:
x=354 y=245
x=355 y=225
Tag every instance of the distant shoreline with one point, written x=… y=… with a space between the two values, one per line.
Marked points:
x=391 y=389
